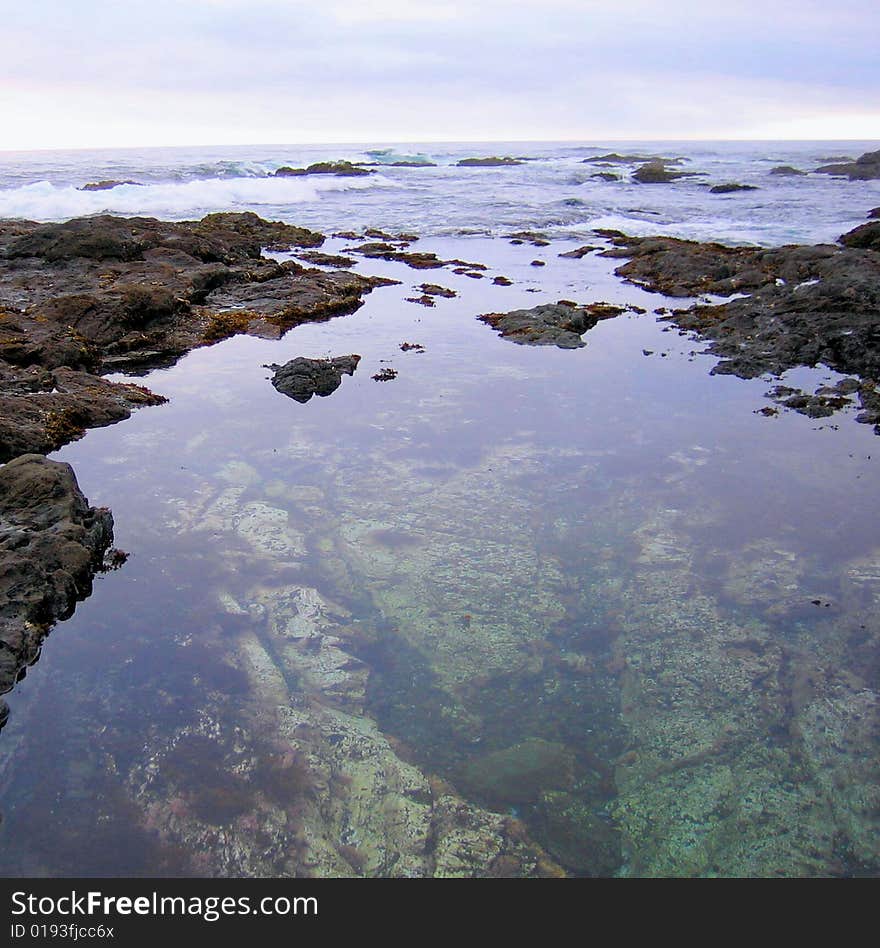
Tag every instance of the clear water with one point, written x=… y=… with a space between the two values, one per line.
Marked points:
x=575 y=588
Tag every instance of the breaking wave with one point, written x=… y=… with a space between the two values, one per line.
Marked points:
x=45 y=201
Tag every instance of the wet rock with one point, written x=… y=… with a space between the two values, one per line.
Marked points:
x=605 y=176
x=787 y=171
x=502 y=281
x=556 y=324
x=806 y=305
x=325 y=259
x=432 y=289
x=864 y=168
x=519 y=774
x=341 y=168
x=731 y=188
x=301 y=378
x=41 y=410
x=51 y=545
x=579 y=252
x=865 y=237
x=385 y=375
x=107 y=185
x=99 y=294
x=615 y=159
x=657 y=172
x=493 y=162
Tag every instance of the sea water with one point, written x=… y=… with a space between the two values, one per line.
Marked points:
x=590 y=591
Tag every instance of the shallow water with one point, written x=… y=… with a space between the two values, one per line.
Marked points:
x=591 y=590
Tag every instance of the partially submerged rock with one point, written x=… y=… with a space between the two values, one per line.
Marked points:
x=107 y=185
x=864 y=168
x=301 y=378
x=51 y=545
x=93 y=295
x=555 y=324
x=492 y=162
x=343 y=169
x=731 y=188
x=806 y=305
x=657 y=172
x=320 y=259
x=787 y=171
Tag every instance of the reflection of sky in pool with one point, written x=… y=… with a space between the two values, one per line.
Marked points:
x=589 y=589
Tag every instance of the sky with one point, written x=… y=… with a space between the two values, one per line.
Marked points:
x=132 y=73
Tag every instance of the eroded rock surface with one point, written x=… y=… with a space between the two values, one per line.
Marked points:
x=51 y=545
x=301 y=378
x=555 y=324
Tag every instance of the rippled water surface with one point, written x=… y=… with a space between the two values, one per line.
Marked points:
x=589 y=593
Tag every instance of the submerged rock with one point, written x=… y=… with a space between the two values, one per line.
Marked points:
x=51 y=545
x=301 y=378
x=519 y=774
x=555 y=324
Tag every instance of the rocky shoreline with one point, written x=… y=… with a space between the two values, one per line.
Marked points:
x=89 y=296
x=789 y=306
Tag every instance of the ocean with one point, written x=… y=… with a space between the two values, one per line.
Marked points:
x=517 y=611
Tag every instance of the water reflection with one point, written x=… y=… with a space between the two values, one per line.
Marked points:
x=517 y=610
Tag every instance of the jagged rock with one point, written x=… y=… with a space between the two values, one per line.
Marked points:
x=864 y=168
x=301 y=378
x=51 y=545
x=341 y=168
x=656 y=172
x=555 y=324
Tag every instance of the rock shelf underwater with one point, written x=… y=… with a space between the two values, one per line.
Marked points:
x=488 y=620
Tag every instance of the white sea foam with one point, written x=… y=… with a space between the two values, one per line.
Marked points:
x=44 y=201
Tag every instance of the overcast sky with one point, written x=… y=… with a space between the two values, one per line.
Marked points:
x=165 y=72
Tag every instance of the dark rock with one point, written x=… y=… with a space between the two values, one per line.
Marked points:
x=614 y=159
x=806 y=305
x=493 y=162
x=538 y=263
x=605 y=176
x=343 y=169
x=411 y=347
x=325 y=259
x=301 y=378
x=51 y=545
x=104 y=293
x=385 y=375
x=502 y=281
x=579 y=252
x=787 y=171
x=555 y=324
x=432 y=289
x=40 y=410
x=730 y=188
x=106 y=185
x=866 y=236
x=656 y=172
x=865 y=168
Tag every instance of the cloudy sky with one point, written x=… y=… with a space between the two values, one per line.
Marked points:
x=164 y=72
